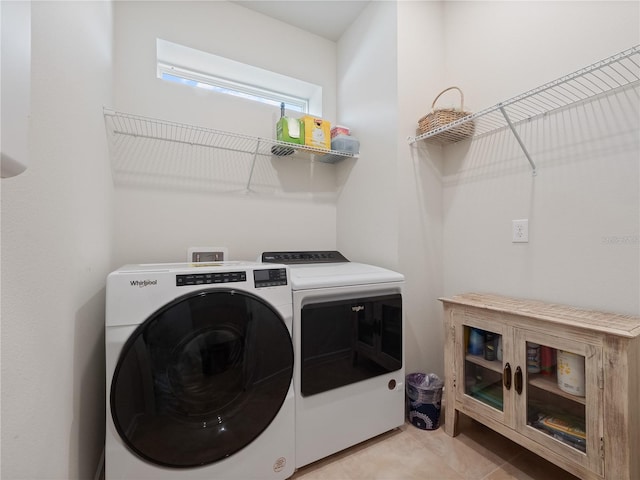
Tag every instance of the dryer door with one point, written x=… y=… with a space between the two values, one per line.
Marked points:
x=201 y=378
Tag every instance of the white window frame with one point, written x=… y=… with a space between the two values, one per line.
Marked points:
x=220 y=74
x=230 y=87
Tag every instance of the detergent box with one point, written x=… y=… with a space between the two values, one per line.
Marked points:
x=290 y=130
x=317 y=132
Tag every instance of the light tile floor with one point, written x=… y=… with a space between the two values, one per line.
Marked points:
x=408 y=453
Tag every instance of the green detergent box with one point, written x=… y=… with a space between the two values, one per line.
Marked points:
x=290 y=130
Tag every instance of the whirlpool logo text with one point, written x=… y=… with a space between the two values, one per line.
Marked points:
x=143 y=283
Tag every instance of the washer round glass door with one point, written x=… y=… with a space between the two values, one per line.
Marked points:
x=201 y=378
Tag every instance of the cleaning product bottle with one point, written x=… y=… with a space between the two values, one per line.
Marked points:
x=476 y=342
x=289 y=129
x=489 y=346
x=533 y=357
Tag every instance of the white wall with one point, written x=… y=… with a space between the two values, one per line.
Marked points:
x=15 y=29
x=584 y=205
x=293 y=205
x=420 y=74
x=56 y=253
x=367 y=221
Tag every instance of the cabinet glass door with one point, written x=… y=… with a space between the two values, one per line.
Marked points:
x=483 y=347
x=561 y=398
x=483 y=366
x=482 y=377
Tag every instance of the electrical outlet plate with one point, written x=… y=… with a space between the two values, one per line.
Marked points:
x=207 y=254
x=520 y=231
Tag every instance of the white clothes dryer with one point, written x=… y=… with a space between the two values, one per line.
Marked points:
x=199 y=362
x=348 y=330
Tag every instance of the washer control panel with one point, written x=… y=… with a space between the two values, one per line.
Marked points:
x=271 y=277
x=208 y=278
x=311 y=256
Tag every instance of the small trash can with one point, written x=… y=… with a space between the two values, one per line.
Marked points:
x=424 y=399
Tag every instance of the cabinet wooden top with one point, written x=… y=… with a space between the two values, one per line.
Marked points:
x=610 y=323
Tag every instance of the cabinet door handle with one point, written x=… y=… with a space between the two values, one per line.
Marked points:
x=518 y=380
x=506 y=376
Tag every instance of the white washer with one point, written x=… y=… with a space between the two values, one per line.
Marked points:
x=199 y=363
x=349 y=347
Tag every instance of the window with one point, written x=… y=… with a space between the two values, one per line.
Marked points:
x=238 y=89
x=195 y=68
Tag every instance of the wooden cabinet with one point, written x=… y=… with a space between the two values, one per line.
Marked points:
x=561 y=381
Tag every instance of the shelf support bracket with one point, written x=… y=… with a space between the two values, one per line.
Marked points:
x=515 y=134
x=253 y=165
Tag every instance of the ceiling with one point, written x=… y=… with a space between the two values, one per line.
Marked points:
x=326 y=18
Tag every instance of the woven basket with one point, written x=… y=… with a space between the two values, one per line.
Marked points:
x=443 y=116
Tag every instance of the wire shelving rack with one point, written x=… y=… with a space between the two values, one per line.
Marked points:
x=152 y=129
x=616 y=72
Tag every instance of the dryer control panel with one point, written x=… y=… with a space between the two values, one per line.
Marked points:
x=310 y=256
x=271 y=277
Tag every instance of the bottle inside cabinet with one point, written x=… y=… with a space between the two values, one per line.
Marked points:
x=555 y=394
x=483 y=366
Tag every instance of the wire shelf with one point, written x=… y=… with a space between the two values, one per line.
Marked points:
x=147 y=132
x=606 y=76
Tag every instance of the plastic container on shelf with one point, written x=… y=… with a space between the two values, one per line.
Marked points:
x=340 y=130
x=571 y=373
x=345 y=143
